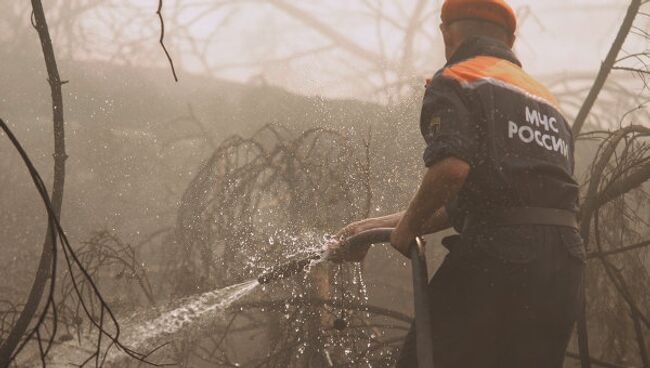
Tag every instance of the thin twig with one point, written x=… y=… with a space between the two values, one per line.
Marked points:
x=162 y=39
x=620 y=250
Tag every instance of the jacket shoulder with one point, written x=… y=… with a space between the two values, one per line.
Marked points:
x=477 y=71
x=442 y=84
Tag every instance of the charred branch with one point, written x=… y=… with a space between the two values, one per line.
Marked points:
x=47 y=261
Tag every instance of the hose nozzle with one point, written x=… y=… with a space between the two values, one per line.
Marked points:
x=286 y=270
x=291 y=268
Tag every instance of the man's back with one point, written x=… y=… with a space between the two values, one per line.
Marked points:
x=507 y=294
x=499 y=160
x=518 y=143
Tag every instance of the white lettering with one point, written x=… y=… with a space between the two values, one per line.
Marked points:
x=532 y=117
x=557 y=144
x=513 y=128
x=543 y=119
x=552 y=123
x=566 y=149
x=547 y=142
x=538 y=138
x=529 y=132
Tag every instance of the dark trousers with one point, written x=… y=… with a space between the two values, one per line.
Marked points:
x=492 y=312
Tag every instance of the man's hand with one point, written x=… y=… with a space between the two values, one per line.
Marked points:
x=336 y=251
x=403 y=238
x=355 y=228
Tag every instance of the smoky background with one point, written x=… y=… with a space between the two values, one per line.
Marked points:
x=289 y=120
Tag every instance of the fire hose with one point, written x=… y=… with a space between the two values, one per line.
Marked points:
x=364 y=241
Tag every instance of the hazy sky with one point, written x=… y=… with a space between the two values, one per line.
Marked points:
x=556 y=36
x=568 y=35
x=236 y=42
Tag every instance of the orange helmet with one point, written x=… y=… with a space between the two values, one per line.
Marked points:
x=495 y=11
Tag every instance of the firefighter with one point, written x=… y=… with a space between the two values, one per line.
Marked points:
x=499 y=158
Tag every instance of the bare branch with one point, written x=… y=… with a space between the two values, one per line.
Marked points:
x=620 y=250
x=597 y=362
x=344 y=42
x=46 y=264
x=162 y=38
x=607 y=65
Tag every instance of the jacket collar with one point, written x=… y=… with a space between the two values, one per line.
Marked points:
x=483 y=46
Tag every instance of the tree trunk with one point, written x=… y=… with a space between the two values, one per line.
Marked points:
x=49 y=245
x=607 y=66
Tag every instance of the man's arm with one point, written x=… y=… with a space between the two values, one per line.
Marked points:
x=369 y=224
x=436 y=223
x=441 y=183
x=439 y=221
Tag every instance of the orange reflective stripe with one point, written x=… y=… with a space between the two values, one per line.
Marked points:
x=488 y=68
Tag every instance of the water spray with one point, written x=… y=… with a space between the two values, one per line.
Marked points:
x=287 y=270
x=358 y=242
x=363 y=241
